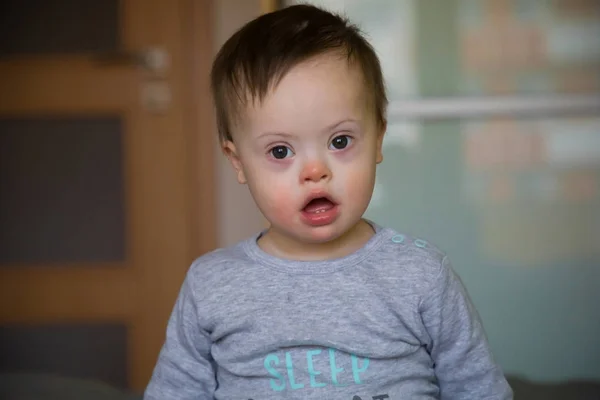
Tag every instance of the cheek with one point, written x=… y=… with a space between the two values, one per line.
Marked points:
x=358 y=183
x=281 y=202
x=274 y=197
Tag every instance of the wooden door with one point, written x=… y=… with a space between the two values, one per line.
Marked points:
x=106 y=180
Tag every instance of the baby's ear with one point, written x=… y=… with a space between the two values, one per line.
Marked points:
x=380 y=136
x=231 y=152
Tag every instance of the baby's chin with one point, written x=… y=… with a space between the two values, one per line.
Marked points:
x=324 y=235
x=307 y=235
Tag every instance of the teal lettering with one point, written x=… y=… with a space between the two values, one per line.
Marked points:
x=311 y=369
x=356 y=370
x=290 y=371
x=334 y=369
x=277 y=384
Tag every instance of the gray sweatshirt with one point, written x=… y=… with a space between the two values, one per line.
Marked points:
x=390 y=321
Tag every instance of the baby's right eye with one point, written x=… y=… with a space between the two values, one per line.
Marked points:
x=281 y=152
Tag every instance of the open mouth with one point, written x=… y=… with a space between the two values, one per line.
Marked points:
x=319 y=205
x=320 y=210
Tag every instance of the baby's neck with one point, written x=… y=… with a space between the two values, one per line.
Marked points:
x=282 y=246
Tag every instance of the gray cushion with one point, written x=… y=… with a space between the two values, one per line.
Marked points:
x=569 y=390
x=50 y=387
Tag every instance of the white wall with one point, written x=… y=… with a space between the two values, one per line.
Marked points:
x=238 y=217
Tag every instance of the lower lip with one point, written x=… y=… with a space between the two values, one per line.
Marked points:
x=322 y=218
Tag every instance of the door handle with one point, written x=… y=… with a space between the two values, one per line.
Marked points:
x=155 y=89
x=154 y=60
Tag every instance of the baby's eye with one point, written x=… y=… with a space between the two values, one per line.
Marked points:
x=281 y=152
x=340 y=142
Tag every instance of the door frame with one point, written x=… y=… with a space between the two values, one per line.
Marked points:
x=191 y=77
x=200 y=125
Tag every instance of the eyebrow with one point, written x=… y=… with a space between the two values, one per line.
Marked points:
x=344 y=121
x=328 y=129
x=281 y=134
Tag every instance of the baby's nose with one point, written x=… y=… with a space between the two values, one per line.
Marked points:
x=315 y=171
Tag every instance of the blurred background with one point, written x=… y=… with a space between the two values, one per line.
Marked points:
x=111 y=182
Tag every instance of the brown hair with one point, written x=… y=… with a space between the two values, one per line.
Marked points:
x=258 y=56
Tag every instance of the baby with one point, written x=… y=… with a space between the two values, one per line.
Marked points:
x=323 y=304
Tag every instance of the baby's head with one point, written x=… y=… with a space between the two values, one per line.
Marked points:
x=301 y=113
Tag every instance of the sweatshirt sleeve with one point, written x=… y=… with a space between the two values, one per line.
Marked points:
x=463 y=362
x=184 y=369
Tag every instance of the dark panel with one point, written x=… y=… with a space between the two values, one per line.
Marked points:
x=61 y=190
x=79 y=351
x=58 y=26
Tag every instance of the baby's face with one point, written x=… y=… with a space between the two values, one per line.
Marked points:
x=309 y=151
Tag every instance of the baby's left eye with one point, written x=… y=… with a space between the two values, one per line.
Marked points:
x=340 y=142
